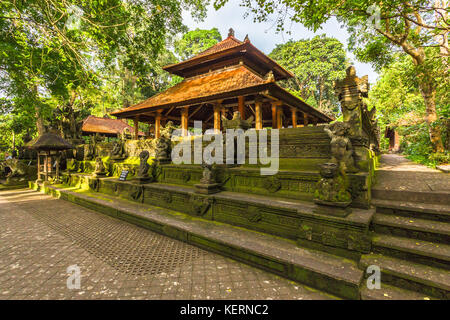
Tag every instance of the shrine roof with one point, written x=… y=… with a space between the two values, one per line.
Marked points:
x=93 y=124
x=220 y=84
x=228 y=48
x=197 y=88
x=49 y=141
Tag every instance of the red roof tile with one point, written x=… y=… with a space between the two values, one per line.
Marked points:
x=95 y=124
x=217 y=82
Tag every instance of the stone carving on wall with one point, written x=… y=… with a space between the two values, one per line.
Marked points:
x=118 y=150
x=341 y=146
x=208 y=184
x=272 y=184
x=143 y=172
x=236 y=122
x=164 y=144
x=331 y=195
x=200 y=205
x=100 y=169
x=137 y=193
x=363 y=124
x=89 y=154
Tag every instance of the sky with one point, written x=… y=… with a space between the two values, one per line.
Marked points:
x=263 y=35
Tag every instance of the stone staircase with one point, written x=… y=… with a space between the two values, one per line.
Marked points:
x=411 y=241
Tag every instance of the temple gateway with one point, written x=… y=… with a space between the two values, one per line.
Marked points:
x=230 y=76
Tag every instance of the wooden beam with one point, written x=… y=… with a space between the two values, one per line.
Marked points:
x=195 y=111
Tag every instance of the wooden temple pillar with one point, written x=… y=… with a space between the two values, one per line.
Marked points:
x=158 y=124
x=184 y=121
x=241 y=106
x=277 y=112
x=305 y=119
x=258 y=115
x=294 y=117
x=136 y=127
x=279 y=117
x=38 y=166
x=217 y=112
x=46 y=165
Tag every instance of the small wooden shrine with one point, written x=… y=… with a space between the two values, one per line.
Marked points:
x=106 y=127
x=230 y=76
x=49 y=146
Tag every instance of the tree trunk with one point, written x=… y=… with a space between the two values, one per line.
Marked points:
x=428 y=92
x=39 y=121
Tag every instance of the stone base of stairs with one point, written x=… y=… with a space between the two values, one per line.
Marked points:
x=333 y=274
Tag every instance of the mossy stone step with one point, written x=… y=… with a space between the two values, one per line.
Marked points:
x=430 y=253
x=410 y=276
x=428 y=230
x=387 y=292
x=431 y=197
x=419 y=210
x=335 y=275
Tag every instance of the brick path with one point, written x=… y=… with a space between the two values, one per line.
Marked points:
x=40 y=237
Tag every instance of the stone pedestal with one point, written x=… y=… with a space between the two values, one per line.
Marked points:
x=207 y=188
x=338 y=209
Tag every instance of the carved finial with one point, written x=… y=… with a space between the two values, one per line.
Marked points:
x=270 y=77
x=246 y=39
x=231 y=32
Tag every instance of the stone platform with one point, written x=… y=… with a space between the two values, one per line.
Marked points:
x=291 y=219
x=327 y=272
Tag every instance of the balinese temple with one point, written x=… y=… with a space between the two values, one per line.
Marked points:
x=230 y=76
x=106 y=127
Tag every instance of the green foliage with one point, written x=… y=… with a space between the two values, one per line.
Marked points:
x=378 y=29
x=91 y=56
x=316 y=64
x=401 y=106
x=196 y=41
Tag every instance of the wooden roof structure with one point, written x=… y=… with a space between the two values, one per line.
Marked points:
x=232 y=75
x=49 y=141
x=105 y=126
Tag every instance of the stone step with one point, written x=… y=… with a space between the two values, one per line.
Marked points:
x=387 y=292
x=419 y=210
x=429 y=253
x=327 y=272
x=428 y=230
x=416 y=277
x=429 y=197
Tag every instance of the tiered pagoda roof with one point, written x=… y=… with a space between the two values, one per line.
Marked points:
x=224 y=72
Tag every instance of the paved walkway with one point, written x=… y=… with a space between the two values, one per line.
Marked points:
x=40 y=237
x=398 y=173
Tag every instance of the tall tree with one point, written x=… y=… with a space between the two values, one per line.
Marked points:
x=58 y=48
x=378 y=28
x=196 y=41
x=316 y=64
